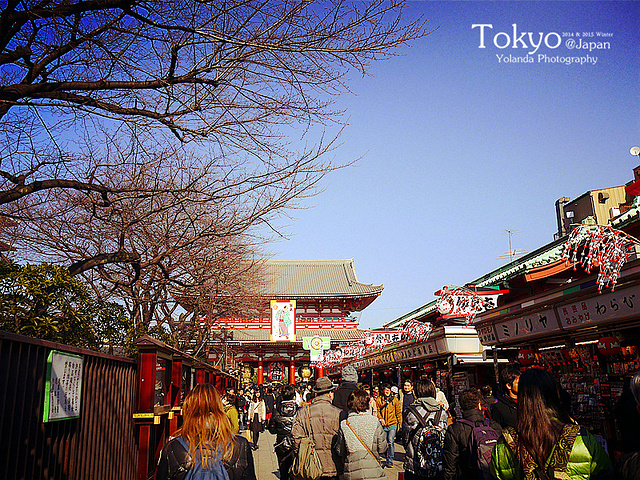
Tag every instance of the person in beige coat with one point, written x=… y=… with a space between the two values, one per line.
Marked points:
x=324 y=421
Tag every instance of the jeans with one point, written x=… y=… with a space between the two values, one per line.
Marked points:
x=391 y=441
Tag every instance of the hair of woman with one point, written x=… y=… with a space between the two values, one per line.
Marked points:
x=358 y=401
x=205 y=425
x=425 y=388
x=540 y=416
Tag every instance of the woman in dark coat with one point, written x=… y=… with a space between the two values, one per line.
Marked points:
x=205 y=440
x=280 y=425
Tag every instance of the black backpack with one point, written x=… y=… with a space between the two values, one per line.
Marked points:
x=429 y=436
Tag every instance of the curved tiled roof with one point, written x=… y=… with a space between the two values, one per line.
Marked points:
x=264 y=334
x=315 y=278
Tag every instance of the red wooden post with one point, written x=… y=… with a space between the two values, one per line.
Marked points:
x=260 y=371
x=175 y=392
x=292 y=372
x=200 y=376
x=146 y=397
x=320 y=372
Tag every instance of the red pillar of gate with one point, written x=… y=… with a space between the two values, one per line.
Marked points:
x=320 y=372
x=292 y=372
x=260 y=371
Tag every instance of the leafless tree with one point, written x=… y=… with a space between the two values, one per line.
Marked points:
x=231 y=72
x=141 y=141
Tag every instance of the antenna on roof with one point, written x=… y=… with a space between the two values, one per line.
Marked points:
x=513 y=253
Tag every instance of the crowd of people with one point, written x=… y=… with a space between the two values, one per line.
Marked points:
x=525 y=433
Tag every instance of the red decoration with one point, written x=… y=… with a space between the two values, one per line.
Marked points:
x=276 y=371
x=387 y=373
x=376 y=375
x=609 y=346
x=416 y=331
x=460 y=302
x=526 y=357
x=429 y=368
x=599 y=246
x=407 y=371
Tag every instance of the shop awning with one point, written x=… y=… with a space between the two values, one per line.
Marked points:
x=474 y=359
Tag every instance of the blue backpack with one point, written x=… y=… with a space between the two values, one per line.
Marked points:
x=216 y=470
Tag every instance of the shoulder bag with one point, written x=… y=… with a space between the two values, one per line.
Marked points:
x=306 y=464
x=363 y=444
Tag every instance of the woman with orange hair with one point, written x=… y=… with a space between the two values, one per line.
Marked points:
x=205 y=442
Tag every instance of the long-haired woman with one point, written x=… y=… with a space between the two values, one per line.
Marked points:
x=205 y=441
x=546 y=442
x=257 y=417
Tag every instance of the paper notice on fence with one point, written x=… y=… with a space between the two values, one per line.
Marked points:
x=63 y=387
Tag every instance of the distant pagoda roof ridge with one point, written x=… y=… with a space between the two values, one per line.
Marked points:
x=315 y=278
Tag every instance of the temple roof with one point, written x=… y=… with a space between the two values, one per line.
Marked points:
x=264 y=334
x=315 y=278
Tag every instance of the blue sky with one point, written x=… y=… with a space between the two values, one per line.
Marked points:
x=459 y=146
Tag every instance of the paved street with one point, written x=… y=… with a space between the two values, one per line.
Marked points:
x=267 y=464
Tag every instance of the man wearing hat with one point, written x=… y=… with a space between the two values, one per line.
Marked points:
x=348 y=385
x=324 y=420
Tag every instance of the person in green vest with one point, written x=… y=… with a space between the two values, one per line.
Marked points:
x=546 y=442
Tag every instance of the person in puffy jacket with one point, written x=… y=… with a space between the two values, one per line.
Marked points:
x=428 y=408
x=280 y=425
x=545 y=441
x=205 y=438
x=320 y=421
x=361 y=442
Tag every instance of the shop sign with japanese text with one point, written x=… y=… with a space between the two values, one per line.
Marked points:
x=619 y=304
x=530 y=326
x=486 y=335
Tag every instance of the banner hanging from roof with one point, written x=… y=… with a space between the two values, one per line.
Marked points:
x=283 y=320
x=461 y=302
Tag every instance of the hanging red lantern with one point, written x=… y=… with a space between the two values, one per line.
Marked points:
x=526 y=356
x=375 y=375
x=609 y=346
x=387 y=372
x=276 y=371
x=407 y=371
x=429 y=367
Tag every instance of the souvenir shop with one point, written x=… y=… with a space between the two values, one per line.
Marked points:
x=588 y=339
x=452 y=356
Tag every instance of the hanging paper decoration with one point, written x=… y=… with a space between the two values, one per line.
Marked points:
x=375 y=340
x=461 y=302
x=388 y=372
x=429 y=368
x=376 y=375
x=407 y=371
x=416 y=331
x=599 y=246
